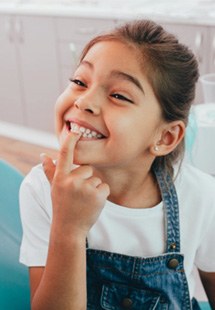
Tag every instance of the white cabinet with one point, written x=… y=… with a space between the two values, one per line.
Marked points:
x=38 y=55
x=11 y=95
x=72 y=35
x=29 y=58
x=39 y=70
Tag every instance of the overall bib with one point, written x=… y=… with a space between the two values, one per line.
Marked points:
x=116 y=281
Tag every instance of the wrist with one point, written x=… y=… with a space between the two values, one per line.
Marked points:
x=68 y=234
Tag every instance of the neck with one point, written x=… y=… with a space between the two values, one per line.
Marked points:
x=131 y=189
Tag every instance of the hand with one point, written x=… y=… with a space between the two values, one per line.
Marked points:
x=77 y=196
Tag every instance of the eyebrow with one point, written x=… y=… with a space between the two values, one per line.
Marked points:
x=87 y=63
x=128 y=77
x=119 y=74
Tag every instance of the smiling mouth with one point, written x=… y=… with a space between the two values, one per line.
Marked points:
x=85 y=132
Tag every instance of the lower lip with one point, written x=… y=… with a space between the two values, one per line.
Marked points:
x=88 y=139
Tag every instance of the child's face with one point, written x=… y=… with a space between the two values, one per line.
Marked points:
x=110 y=96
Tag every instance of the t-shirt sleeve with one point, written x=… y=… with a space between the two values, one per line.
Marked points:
x=205 y=257
x=36 y=213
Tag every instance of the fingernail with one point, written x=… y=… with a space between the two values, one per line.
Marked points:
x=78 y=134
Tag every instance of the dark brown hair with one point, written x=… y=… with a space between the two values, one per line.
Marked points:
x=170 y=67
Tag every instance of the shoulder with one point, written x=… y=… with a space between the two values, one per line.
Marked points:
x=196 y=193
x=194 y=180
x=35 y=184
x=196 y=196
x=36 y=217
x=36 y=176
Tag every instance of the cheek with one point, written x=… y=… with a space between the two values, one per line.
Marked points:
x=58 y=113
x=121 y=125
x=121 y=134
x=63 y=103
x=131 y=132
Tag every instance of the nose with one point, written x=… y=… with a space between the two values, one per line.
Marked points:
x=88 y=103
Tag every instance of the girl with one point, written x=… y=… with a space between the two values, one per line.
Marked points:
x=116 y=222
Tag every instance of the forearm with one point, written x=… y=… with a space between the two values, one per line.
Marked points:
x=63 y=285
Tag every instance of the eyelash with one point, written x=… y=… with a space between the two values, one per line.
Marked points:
x=116 y=96
x=78 y=82
x=121 y=97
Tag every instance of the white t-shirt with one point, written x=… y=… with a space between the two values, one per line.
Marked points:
x=135 y=232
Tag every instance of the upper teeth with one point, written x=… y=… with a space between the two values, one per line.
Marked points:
x=86 y=132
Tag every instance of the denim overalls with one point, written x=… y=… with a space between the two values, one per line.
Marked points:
x=116 y=281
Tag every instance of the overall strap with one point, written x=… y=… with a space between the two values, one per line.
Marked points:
x=171 y=209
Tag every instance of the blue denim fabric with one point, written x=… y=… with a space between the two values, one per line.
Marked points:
x=116 y=281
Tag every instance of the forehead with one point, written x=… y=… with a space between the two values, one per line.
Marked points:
x=115 y=54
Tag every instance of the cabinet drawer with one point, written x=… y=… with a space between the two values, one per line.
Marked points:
x=81 y=28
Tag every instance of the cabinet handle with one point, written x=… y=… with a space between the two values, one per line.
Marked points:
x=9 y=29
x=198 y=46
x=73 y=50
x=19 y=30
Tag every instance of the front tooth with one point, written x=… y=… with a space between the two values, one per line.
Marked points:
x=82 y=129
x=74 y=127
x=86 y=132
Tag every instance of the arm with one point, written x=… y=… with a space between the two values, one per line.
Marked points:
x=62 y=283
x=208 y=281
x=77 y=199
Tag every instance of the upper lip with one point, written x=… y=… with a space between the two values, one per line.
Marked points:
x=85 y=125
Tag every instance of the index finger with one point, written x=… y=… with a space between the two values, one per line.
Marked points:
x=66 y=154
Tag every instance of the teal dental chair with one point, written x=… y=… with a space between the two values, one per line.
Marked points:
x=204 y=305
x=14 y=282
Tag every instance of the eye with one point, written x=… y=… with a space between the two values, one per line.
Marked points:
x=121 y=97
x=78 y=82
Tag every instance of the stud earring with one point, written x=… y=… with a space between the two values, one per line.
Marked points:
x=156 y=148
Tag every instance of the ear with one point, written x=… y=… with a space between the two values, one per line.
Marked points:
x=170 y=136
